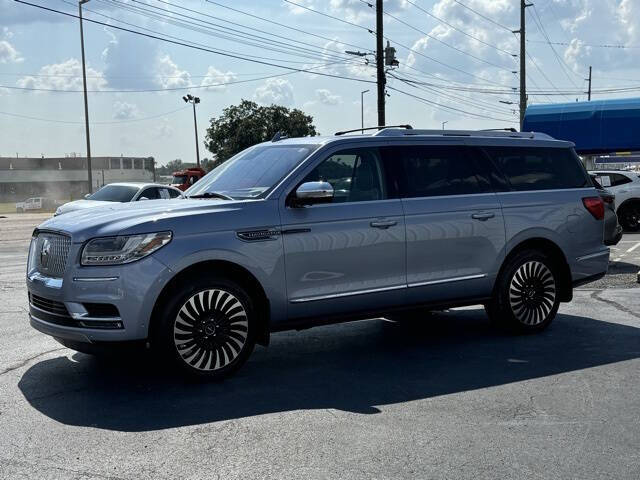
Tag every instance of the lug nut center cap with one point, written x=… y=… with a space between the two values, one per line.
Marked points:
x=210 y=328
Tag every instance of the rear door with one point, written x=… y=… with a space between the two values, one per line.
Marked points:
x=454 y=223
x=349 y=255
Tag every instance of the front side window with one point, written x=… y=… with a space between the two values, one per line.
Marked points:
x=173 y=193
x=356 y=175
x=150 y=194
x=434 y=171
x=115 y=193
x=252 y=172
x=539 y=168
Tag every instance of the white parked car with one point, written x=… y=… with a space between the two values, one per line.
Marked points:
x=625 y=185
x=35 y=203
x=122 y=193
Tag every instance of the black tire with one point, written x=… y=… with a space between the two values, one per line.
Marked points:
x=208 y=328
x=629 y=217
x=526 y=296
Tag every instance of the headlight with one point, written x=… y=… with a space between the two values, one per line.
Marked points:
x=123 y=249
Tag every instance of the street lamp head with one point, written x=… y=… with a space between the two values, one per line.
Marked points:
x=185 y=99
x=196 y=99
x=82 y=2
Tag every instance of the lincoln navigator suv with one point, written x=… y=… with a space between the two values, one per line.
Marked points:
x=298 y=232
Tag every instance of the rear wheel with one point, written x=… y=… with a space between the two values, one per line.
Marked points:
x=629 y=217
x=526 y=297
x=208 y=328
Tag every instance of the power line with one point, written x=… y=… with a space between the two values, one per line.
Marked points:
x=459 y=50
x=591 y=45
x=330 y=16
x=289 y=27
x=26 y=117
x=483 y=16
x=459 y=30
x=204 y=49
x=184 y=87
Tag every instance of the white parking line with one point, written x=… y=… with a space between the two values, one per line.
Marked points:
x=634 y=247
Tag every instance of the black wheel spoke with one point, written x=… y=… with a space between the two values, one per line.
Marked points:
x=210 y=330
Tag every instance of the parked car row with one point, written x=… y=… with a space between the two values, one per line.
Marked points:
x=305 y=231
x=625 y=185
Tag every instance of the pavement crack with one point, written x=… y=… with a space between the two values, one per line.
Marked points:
x=596 y=295
x=24 y=362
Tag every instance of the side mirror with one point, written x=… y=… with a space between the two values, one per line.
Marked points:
x=142 y=198
x=310 y=193
x=87 y=195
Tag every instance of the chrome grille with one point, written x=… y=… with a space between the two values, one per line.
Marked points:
x=51 y=253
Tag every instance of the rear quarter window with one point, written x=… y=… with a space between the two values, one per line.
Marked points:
x=527 y=168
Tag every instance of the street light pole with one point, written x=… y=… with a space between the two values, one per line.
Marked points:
x=193 y=101
x=444 y=123
x=362 y=109
x=86 y=103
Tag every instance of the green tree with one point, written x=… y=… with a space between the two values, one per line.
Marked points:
x=241 y=126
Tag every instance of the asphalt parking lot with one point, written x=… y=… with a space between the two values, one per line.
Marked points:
x=450 y=397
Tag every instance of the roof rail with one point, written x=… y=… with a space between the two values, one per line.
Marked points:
x=394 y=132
x=380 y=127
x=508 y=129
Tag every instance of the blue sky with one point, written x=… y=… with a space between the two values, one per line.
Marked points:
x=454 y=55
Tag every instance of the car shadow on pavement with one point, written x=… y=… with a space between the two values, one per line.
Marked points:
x=350 y=367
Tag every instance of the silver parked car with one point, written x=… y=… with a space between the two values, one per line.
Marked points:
x=122 y=192
x=296 y=232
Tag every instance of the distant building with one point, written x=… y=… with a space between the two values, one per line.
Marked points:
x=65 y=178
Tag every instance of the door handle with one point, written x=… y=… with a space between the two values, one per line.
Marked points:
x=483 y=216
x=384 y=224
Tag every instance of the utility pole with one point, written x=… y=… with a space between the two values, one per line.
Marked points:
x=589 y=92
x=523 y=62
x=381 y=77
x=86 y=103
x=194 y=101
x=362 y=109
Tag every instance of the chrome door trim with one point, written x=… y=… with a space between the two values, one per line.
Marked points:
x=346 y=294
x=447 y=280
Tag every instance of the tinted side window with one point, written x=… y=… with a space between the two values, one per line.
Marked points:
x=431 y=171
x=150 y=193
x=618 y=179
x=173 y=193
x=356 y=175
x=529 y=168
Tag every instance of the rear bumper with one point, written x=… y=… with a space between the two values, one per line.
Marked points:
x=590 y=267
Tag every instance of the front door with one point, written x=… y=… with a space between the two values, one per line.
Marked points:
x=348 y=255
x=454 y=221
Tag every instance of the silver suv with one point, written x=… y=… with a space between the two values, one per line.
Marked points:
x=296 y=232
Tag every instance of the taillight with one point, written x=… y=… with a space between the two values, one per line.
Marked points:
x=595 y=205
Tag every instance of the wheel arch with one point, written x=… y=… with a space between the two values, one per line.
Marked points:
x=551 y=249
x=231 y=271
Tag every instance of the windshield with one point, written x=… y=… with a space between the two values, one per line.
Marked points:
x=115 y=193
x=253 y=171
x=179 y=179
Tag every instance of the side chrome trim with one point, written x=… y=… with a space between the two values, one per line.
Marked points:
x=347 y=294
x=594 y=255
x=447 y=280
x=94 y=279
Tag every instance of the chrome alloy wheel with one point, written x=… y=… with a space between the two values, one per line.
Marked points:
x=210 y=329
x=532 y=293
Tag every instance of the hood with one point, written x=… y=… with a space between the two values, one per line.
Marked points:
x=79 y=204
x=131 y=218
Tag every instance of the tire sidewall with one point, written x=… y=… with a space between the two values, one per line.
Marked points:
x=501 y=306
x=164 y=340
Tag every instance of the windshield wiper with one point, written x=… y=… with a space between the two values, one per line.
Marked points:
x=212 y=195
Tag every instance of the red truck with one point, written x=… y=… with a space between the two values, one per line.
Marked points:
x=183 y=179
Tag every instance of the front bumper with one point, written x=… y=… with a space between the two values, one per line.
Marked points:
x=132 y=289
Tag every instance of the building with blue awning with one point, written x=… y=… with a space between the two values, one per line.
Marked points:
x=596 y=127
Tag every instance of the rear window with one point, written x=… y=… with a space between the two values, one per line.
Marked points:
x=529 y=168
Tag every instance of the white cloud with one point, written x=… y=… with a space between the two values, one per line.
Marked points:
x=164 y=129
x=64 y=76
x=214 y=77
x=355 y=11
x=130 y=62
x=169 y=75
x=275 y=91
x=125 y=111
x=325 y=97
x=8 y=53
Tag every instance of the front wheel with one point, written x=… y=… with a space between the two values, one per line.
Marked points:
x=207 y=329
x=526 y=295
